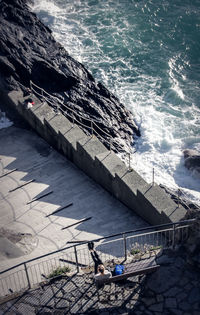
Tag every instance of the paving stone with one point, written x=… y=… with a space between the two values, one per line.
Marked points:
x=179 y=262
x=195 y=283
x=148 y=301
x=159 y=298
x=176 y=311
x=194 y=296
x=183 y=281
x=184 y=306
x=165 y=260
x=181 y=296
x=196 y=306
x=171 y=303
x=142 y=308
x=188 y=287
x=156 y=307
x=172 y=292
x=168 y=277
x=147 y=312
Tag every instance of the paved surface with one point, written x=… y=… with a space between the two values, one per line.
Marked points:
x=25 y=231
x=174 y=289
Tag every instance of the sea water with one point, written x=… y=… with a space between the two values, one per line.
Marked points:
x=147 y=52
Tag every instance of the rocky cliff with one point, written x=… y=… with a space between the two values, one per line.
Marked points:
x=28 y=51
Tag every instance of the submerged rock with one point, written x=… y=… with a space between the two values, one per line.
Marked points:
x=28 y=51
x=192 y=160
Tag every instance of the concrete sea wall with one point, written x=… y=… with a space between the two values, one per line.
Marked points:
x=149 y=201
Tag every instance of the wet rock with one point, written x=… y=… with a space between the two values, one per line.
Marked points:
x=28 y=51
x=192 y=160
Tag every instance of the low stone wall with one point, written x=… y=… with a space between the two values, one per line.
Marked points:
x=105 y=167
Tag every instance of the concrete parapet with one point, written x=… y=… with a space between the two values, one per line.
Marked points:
x=107 y=164
x=69 y=139
x=150 y=202
x=87 y=149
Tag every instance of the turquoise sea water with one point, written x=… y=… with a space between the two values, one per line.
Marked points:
x=148 y=54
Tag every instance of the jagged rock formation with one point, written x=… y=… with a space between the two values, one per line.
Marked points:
x=28 y=51
x=192 y=160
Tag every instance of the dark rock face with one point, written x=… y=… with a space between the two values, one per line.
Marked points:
x=28 y=51
x=192 y=160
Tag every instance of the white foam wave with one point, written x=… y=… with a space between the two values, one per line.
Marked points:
x=46 y=6
x=172 y=74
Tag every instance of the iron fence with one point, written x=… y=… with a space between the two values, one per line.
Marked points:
x=72 y=259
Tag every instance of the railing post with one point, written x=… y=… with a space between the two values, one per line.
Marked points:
x=129 y=161
x=92 y=127
x=173 y=236
x=125 y=247
x=153 y=175
x=179 y=197
x=110 y=144
x=27 y=276
x=76 y=257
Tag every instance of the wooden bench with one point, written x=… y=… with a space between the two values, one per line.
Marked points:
x=141 y=267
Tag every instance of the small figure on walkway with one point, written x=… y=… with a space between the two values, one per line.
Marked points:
x=29 y=103
x=99 y=269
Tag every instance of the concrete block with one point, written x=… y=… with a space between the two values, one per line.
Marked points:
x=148 y=209
x=14 y=97
x=68 y=141
x=87 y=149
x=58 y=122
x=160 y=205
x=15 y=100
x=106 y=165
x=125 y=187
x=178 y=214
x=42 y=111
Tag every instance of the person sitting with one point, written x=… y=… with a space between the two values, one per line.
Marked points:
x=99 y=269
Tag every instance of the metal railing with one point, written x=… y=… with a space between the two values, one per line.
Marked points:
x=89 y=124
x=111 y=248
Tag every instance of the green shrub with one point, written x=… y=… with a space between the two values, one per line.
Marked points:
x=135 y=251
x=155 y=247
x=58 y=271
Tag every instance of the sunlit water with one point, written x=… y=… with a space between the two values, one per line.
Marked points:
x=147 y=53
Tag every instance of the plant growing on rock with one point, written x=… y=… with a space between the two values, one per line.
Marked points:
x=58 y=272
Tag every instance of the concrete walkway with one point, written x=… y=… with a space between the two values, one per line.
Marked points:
x=29 y=169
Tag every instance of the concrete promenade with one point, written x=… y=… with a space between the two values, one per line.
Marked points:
x=30 y=168
x=89 y=154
